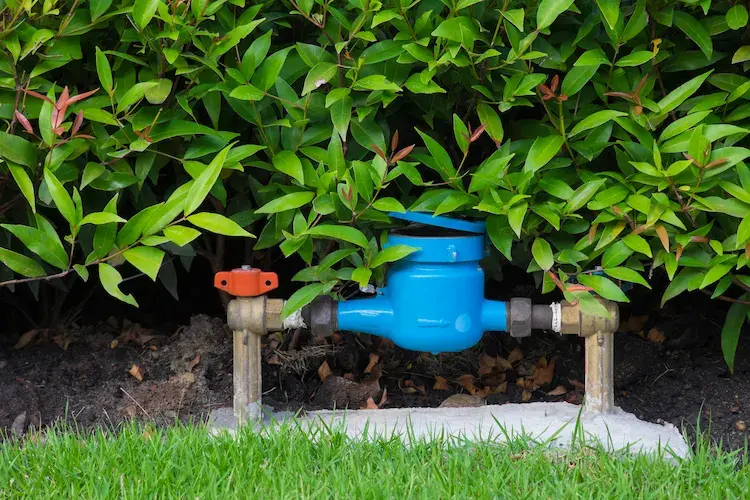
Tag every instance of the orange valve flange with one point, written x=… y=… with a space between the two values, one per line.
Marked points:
x=246 y=282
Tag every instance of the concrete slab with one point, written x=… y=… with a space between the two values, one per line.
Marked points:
x=556 y=425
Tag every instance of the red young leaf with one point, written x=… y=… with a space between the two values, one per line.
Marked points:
x=38 y=95
x=81 y=97
x=62 y=101
x=478 y=132
x=24 y=122
x=402 y=154
x=555 y=83
x=77 y=123
x=394 y=141
x=379 y=151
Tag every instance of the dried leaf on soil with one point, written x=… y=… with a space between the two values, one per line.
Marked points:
x=577 y=384
x=370 y=405
x=26 y=338
x=655 y=336
x=544 y=371
x=467 y=381
x=515 y=356
x=441 y=384
x=194 y=362
x=273 y=360
x=634 y=324
x=500 y=389
x=374 y=358
x=487 y=361
x=525 y=396
x=526 y=384
x=136 y=371
x=113 y=344
x=740 y=426
x=409 y=387
x=558 y=391
x=504 y=364
x=324 y=371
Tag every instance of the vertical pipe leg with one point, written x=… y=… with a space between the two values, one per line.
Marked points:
x=247 y=376
x=599 y=373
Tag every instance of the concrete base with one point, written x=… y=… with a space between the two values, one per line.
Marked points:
x=556 y=425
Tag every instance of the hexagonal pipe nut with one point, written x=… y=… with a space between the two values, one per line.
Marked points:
x=519 y=317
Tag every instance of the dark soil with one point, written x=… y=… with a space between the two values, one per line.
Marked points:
x=679 y=378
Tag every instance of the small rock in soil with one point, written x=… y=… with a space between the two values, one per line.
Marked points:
x=18 y=427
x=462 y=401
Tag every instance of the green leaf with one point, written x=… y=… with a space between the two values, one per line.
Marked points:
x=341 y=115
x=743 y=231
x=318 y=75
x=143 y=11
x=40 y=242
x=181 y=235
x=737 y=17
x=376 y=82
x=516 y=215
x=488 y=117
x=515 y=16
x=461 y=133
x=218 y=224
x=98 y=7
x=21 y=264
x=610 y=10
x=440 y=155
x=582 y=195
x=694 y=30
x=626 y=274
x=146 y=259
x=742 y=55
x=62 y=199
x=304 y=296
x=111 y=279
x=542 y=252
x=603 y=287
x=576 y=78
x=247 y=93
x=391 y=254
x=99 y=218
x=205 y=181
x=637 y=243
x=24 y=183
x=549 y=10
x=678 y=285
x=344 y=233
x=595 y=57
x=287 y=202
x=542 y=151
x=715 y=273
x=103 y=70
x=635 y=58
x=388 y=205
x=267 y=73
x=681 y=93
x=288 y=163
x=616 y=254
x=18 y=150
x=459 y=29
x=362 y=276
x=730 y=332
x=336 y=160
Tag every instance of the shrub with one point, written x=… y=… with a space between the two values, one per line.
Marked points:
x=605 y=133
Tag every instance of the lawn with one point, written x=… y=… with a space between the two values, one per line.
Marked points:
x=182 y=461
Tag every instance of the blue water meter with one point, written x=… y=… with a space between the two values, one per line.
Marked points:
x=434 y=298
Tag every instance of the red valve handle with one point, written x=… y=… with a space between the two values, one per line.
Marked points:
x=246 y=282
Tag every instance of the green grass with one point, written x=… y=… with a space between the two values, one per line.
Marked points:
x=184 y=461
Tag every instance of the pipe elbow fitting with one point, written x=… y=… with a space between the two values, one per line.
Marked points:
x=320 y=316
